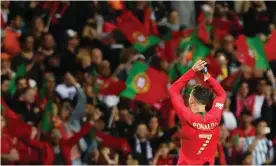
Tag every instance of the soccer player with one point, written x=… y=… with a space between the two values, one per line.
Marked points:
x=200 y=128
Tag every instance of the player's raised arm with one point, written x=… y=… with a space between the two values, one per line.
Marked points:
x=218 y=90
x=176 y=98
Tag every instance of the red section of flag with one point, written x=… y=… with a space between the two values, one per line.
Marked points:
x=114 y=142
x=130 y=26
x=108 y=86
x=150 y=24
x=270 y=49
x=213 y=66
x=158 y=87
x=243 y=52
x=203 y=34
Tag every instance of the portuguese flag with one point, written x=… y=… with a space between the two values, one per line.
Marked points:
x=167 y=50
x=146 y=84
x=251 y=51
x=193 y=49
x=194 y=46
x=108 y=86
x=135 y=32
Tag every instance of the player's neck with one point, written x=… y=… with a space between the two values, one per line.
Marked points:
x=198 y=108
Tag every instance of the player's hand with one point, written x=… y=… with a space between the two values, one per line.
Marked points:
x=199 y=65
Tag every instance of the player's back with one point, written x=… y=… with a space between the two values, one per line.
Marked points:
x=199 y=133
x=199 y=140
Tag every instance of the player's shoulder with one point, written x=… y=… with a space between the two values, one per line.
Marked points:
x=218 y=105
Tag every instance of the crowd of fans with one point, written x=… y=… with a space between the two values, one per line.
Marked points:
x=61 y=45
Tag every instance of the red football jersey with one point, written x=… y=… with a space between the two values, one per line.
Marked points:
x=199 y=133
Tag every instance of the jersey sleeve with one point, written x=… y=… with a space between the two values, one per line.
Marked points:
x=182 y=111
x=218 y=103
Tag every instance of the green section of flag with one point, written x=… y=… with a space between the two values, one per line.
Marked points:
x=150 y=41
x=46 y=123
x=2 y=108
x=130 y=92
x=176 y=71
x=21 y=71
x=237 y=84
x=257 y=47
x=193 y=43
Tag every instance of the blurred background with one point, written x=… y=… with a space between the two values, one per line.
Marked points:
x=86 y=82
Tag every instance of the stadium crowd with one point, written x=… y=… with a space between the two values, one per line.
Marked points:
x=67 y=95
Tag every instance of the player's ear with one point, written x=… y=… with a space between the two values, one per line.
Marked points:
x=191 y=100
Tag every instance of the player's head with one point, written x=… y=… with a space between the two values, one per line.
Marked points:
x=200 y=96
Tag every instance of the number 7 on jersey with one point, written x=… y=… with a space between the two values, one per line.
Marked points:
x=207 y=138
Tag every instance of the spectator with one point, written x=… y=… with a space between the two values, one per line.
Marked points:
x=228 y=116
x=48 y=52
x=26 y=107
x=123 y=125
x=28 y=58
x=162 y=156
x=223 y=62
x=172 y=22
x=245 y=129
x=221 y=154
x=258 y=17
x=38 y=28
x=5 y=87
x=97 y=56
x=12 y=34
x=48 y=45
x=260 y=147
x=4 y=13
x=6 y=66
x=141 y=145
x=68 y=57
x=225 y=21
x=258 y=104
x=237 y=103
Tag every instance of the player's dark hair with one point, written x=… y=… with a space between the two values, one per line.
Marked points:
x=202 y=94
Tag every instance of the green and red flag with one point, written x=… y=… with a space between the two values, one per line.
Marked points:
x=146 y=84
x=167 y=50
x=109 y=86
x=135 y=32
x=204 y=24
x=251 y=51
x=270 y=49
x=195 y=46
x=20 y=71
